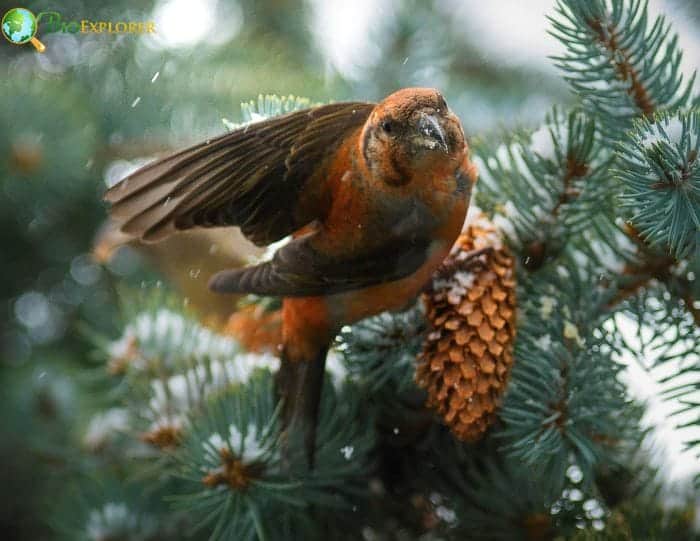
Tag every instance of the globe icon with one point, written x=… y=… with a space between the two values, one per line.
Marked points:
x=19 y=25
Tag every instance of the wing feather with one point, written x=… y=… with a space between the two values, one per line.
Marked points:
x=250 y=177
x=298 y=270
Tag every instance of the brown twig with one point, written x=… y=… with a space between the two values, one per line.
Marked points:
x=536 y=253
x=653 y=266
x=607 y=37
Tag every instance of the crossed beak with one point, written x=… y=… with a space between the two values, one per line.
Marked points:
x=430 y=127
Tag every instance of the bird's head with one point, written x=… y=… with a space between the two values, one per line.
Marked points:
x=410 y=131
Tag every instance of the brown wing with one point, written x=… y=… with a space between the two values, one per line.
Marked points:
x=298 y=269
x=251 y=178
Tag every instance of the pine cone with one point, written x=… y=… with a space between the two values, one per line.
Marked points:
x=468 y=352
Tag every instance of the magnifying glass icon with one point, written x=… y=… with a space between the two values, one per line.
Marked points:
x=19 y=26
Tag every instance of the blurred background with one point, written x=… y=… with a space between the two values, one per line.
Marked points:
x=93 y=107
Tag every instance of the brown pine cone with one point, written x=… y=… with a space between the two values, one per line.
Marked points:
x=468 y=353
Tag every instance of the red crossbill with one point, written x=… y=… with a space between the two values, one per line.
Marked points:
x=374 y=196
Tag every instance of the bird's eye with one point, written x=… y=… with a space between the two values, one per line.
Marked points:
x=387 y=126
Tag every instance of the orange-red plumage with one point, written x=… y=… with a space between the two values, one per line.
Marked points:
x=374 y=196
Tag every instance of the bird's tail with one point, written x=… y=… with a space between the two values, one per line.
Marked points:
x=298 y=386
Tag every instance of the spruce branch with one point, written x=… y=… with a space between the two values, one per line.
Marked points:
x=564 y=384
x=379 y=352
x=666 y=338
x=161 y=336
x=653 y=266
x=171 y=364
x=490 y=496
x=664 y=147
x=659 y=168
x=554 y=187
x=238 y=484
x=268 y=106
x=545 y=187
x=622 y=64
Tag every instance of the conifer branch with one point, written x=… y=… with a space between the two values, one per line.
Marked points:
x=660 y=173
x=622 y=64
x=653 y=265
x=607 y=37
x=544 y=188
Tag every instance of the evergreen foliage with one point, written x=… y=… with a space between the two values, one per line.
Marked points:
x=563 y=402
x=660 y=172
x=620 y=62
x=601 y=207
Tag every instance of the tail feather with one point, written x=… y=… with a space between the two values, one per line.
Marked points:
x=298 y=386
x=254 y=280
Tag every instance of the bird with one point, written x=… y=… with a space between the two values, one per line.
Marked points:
x=372 y=197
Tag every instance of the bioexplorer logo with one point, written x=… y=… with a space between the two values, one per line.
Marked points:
x=20 y=26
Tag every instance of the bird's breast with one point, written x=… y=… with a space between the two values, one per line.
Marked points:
x=347 y=308
x=438 y=208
